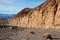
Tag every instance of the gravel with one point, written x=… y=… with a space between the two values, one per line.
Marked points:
x=25 y=34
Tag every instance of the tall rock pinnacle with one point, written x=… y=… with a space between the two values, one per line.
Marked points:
x=46 y=15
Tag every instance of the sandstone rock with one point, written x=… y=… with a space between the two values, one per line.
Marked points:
x=3 y=22
x=46 y=15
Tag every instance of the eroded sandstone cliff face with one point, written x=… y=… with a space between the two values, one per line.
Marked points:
x=47 y=15
x=16 y=20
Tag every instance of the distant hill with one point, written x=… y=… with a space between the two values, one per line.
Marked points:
x=6 y=16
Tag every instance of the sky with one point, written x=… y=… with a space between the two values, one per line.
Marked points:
x=14 y=6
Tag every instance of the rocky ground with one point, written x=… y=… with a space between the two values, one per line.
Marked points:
x=27 y=34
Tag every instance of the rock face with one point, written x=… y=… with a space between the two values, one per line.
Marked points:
x=47 y=15
x=20 y=18
x=3 y=22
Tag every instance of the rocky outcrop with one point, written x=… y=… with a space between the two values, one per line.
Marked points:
x=3 y=22
x=16 y=20
x=47 y=15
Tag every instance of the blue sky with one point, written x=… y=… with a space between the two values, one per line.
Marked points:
x=14 y=6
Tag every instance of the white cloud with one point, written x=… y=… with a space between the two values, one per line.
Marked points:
x=1 y=5
x=8 y=8
x=8 y=1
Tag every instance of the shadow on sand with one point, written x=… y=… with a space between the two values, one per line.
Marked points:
x=53 y=39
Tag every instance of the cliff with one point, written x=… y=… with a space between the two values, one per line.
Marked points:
x=46 y=15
